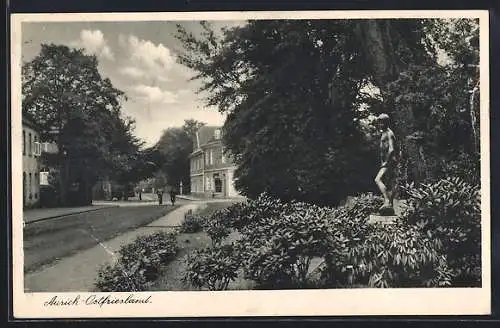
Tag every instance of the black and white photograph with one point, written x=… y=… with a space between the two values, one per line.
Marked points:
x=250 y=159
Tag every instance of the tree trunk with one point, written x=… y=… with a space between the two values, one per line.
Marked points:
x=375 y=37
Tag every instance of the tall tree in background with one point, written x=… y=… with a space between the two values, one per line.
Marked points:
x=390 y=46
x=80 y=111
x=295 y=95
x=176 y=144
x=290 y=90
x=428 y=99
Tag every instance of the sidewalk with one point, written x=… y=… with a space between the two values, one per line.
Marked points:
x=77 y=273
x=211 y=200
x=48 y=213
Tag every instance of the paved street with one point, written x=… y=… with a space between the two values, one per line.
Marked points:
x=45 y=213
x=47 y=241
x=78 y=272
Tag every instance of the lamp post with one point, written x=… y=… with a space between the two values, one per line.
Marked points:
x=180 y=188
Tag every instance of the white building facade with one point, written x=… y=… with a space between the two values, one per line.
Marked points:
x=212 y=169
x=31 y=163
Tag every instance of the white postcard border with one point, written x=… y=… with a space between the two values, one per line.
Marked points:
x=452 y=301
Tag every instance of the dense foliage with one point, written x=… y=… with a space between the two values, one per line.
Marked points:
x=212 y=268
x=434 y=243
x=449 y=211
x=138 y=263
x=175 y=145
x=80 y=111
x=298 y=96
x=192 y=223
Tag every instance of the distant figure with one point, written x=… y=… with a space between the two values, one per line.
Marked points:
x=172 y=196
x=159 y=192
x=385 y=178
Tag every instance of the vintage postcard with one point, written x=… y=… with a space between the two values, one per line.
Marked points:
x=250 y=164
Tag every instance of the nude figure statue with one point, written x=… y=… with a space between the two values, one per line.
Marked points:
x=385 y=178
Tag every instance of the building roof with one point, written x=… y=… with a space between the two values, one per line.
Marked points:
x=204 y=135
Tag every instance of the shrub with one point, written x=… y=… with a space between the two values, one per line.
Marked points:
x=217 y=226
x=465 y=166
x=220 y=223
x=192 y=223
x=449 y=210
x=396 y=255
x=138 y=263
x=116 y=278
x=213 y=268
x=404 y=254
x=435 y=243
x=279 y=245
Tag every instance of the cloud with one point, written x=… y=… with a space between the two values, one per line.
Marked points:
x=147 y=54
x=93 y=41
x=154 y=94
x=133 y=72
x=151 y=61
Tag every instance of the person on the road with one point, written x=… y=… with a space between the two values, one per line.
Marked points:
x=159 y=192
x=172 y=196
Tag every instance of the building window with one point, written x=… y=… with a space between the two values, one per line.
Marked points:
x=37 y=185
x=24 y=187
x=208 y=185
x=217 y=134
x=29 y=187
x=218 y=183
x=206 y=159
x=29 y=144
x=24 y=142
x=211 y=157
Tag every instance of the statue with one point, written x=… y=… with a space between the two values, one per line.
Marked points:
x=386 y=177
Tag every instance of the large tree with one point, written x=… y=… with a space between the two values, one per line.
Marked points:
x=295 y=97
x=80 y=111
x=290 y=89
x=427 y=99
x=176 y=144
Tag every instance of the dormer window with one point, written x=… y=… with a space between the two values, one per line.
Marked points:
x=217 y=134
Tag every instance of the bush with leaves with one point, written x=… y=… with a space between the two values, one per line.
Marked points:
x=217 y=226
x=395 y=255
x=402 y=254
x=212 y=268
x=434 y=244
x=138 y=263
x=192 y=223
x=221 y=222
x=281 y=240
x=449 y=210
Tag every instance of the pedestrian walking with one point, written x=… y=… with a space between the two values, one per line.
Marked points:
x=159 y=192
x=172 y=196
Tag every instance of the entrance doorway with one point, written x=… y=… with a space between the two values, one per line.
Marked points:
x=217 y=183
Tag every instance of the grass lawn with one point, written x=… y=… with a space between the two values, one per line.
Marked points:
x=171 y=277
x=46 y=241
x=210 y=208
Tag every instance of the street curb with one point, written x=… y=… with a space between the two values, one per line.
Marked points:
x=69 y=214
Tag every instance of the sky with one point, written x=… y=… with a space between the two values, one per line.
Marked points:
x=140 y=59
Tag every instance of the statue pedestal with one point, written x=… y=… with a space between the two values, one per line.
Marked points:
x=384 y=219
